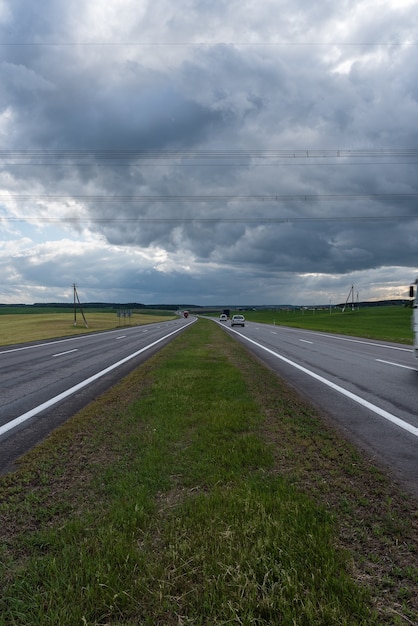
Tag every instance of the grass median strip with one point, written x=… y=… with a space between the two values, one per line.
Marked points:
x=201 y=490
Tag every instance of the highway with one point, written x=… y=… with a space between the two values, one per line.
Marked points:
x=368 y=388
x=42 y=384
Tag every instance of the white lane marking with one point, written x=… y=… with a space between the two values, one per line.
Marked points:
x=67 y=352
x=273 y=332
x=305 y=341
x=51 y=343
x=121 y=337
x=406 y=367
x=46 y=405
x=47 y=343
x=368 y=405
x=351 y=340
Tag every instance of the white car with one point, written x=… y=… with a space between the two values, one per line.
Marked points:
x=238 y=320
x=223 y=318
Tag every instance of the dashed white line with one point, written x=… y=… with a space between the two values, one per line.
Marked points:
x=305 y=341
x=67 y=352
x=51 y=343
x=68 y=392
x=406 y=367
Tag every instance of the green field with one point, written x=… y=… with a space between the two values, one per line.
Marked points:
x=388 y=323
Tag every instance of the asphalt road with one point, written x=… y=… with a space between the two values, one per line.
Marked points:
x=368 y=388
x=43 y=384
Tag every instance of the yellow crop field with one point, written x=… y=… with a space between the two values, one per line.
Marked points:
x=19 y=328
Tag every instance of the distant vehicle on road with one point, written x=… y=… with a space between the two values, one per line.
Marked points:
x=238 y=320
x=185 y=313
x=223 y=318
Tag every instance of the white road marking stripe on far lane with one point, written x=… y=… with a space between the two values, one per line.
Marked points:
x=406 y=367
x=67 y=352
x=368 y=405
x=46 y=405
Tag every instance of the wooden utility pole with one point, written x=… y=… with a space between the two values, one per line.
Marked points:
x=77 y=299
x=350 y=293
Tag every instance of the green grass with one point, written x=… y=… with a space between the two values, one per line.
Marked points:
x=200 y=490
x=391 y=323
x=388 y=323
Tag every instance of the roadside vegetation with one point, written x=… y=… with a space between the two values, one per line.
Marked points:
x=388 y=323
x=16 y=327
x=202 y=490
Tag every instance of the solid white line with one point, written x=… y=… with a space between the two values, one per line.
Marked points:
x=67 y=352
x=47 y=343
x=351 y=340
x=46 y=405
x=51 y=343
x=406 y=367
x=368 y=405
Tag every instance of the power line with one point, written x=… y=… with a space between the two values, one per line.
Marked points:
x=206 y=164
x=209 y=154
x=210 y=198
x=241 y=219
x=193 y=44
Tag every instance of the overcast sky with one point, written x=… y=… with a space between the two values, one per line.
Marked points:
x=208 y=151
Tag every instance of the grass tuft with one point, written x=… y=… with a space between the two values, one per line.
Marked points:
x=201 y=490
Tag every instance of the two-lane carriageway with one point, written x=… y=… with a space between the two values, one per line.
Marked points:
x=42 y=384
x=369 y=388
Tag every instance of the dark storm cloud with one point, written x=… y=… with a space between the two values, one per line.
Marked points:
x=92 y=93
